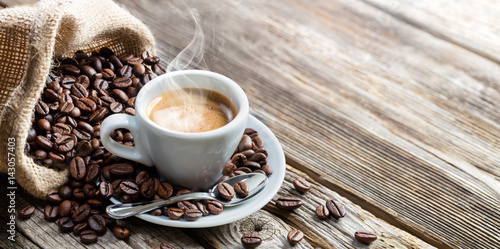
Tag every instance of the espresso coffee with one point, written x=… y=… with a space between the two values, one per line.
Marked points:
x=191 y=110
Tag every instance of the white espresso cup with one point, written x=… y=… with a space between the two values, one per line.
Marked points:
x=192 y=160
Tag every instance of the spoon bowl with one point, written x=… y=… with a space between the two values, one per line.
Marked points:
x=255 y=182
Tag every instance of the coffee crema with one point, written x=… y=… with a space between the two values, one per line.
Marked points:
x=191 y=110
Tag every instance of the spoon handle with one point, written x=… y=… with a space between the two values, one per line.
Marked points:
x=121 y=211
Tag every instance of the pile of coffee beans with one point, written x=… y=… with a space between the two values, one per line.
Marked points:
x=81 y=91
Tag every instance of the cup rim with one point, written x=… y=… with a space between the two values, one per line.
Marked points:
x=240 y=117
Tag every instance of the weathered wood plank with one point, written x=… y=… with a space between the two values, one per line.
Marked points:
x=471 y=24
x=399 y=121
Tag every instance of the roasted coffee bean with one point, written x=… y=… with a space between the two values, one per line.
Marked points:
x=78 y=228
x=125 y=57
x=294 y=236
x=239 y=159
x=98 y=115
x=148 y=76
x=166 y=246
x=80 y=55
x=288 y=203
x=151 y=60
x=258 y=142
x=70 y=69
x=122 y=83
x=134 y=61
x=96 y=64
x=115 y=62
x=88 y=236
x=90 y=191
x=186 y=205
x=127 y=137
x=83 y=148
x=66 y=107
x=31 y=135
x=192 y=214
x=107 y=74
x=322 y=212
x=54 y=197
x=26 y=211
x=93 y=171
x=337 y=210
x=248 y=153
x=119 y=95
x=88 y=71
x=78 y=194
x=67 y=81
x=70 y=61
x=131 y=102
x=51 y=95
x=251 y=240
x=61 y=128
x=130 y=111
x=51 y=212
x=106 y=190
x=141 y=178
x=301 y=185
x=43 y=142
x=97 y=223
x=159 y=69
x=86 y=105
x=79 y=91
x=66 y=224
x=106 y=52
x=252 y=166
x=173 y=213
x=41 y=109
x=156 y=212
x=105 y=173
x=65 y=191
x=77 y=168
x=81 y=214
x=223 y=178
x=75 y=113
x=241 y=189
x=237 y=173
x=129 y=187
x=77 y=184
x=40 y=154
x=83 y=80
x=203 y=209
x=230 y=167
x=215 y=207
x=245 y=143
x=147 y=190
x=155 y=183
x=138 y=70
x=364 y=236
x=117 y=135
x=125 y=71
x=165 y=190
x=116 y=107
x=257 y=157
x=121 y=232
x=226 y=191
x=259 y=171
x=267 y=169
x=81 y=134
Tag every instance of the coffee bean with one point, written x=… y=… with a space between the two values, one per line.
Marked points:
x=203 y=208
x=66 y=224
x=257 y=157
x=98 y=115
x=166 y=246
x=41 y=108
x=122 y=83
x=159 y=69
x=148 y=76
x=226 y=191
x=252 y=165
x=88 y=236
x=174 y=213
x=78 y=194
x=90 y=191
x=106 y=190
x=258 y=142
x=322 y=212
x=192 y=214
x=251 y=240
x=336 y=209
x=116 y=107
x=239 y=159
x=186 y=205
x=125 y=71
x=86 y=105
x=77 y=168
x=67 y=81
x=81 y=213
x=97 y=223
x=107 y=74
x=83 y=80
x=230 y=167
x=61 y=128
x=40 y=154
x=121 y=232
x=54 y=197
x=294 y=236
x=364 y=236
x=26 y=211
x=31 y=135
x=51 y=95
x=267 y=169
x=93 y=171
x=215 y=207
x=78 y=228
x=301 y=185
x=151 y=60
x=147 y=190
x=51 y=212
x=241 y=189
x=245 y=143
x=119 y=95
x=83 y=148
x=128 y=187
x=165 y=190
x=66 y=107
x=43 y=142
x=130 y=111
x=248 y=153
x=155 y=183
x=88 y=71
x=79 y=91
x=288 y=203
x=65 y=191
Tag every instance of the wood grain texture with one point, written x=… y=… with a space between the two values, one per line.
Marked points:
x=471 y=24
x=399 y=121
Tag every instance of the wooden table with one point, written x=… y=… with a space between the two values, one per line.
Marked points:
x=391 y=107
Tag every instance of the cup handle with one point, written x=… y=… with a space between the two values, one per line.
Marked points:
x=118 y=121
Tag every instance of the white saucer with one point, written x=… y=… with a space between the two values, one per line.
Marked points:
x=276 y=160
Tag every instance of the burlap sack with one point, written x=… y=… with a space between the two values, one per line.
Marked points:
x=29 y=38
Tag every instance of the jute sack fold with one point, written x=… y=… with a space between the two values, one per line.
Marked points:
x=30 y=37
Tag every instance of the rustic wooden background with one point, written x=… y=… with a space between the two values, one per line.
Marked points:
x=390 y=106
